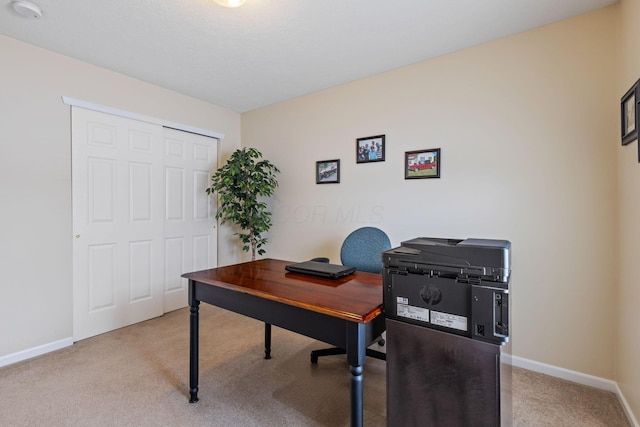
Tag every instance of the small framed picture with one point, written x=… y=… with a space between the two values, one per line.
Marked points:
x=370 y=149
x=328 y=171
x=422 y=164
x=629 y=115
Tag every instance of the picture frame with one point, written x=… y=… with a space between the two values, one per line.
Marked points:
x=629 y=115
x=421 y=164
x=328 y=171
x=364 y=152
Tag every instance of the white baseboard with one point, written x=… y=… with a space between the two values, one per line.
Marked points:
x=625 y=405
x=35 y=351
x=565 y=374
x=577 y=377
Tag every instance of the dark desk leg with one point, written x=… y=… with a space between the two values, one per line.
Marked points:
x=193 y=348
x=356 y=396
x=267 y=340
x=356 y=350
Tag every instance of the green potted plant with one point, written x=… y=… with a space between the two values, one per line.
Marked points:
x=240 y=185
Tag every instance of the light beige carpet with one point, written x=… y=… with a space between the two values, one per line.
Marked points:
x=139 y=376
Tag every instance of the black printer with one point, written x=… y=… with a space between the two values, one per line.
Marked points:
x=455 y=286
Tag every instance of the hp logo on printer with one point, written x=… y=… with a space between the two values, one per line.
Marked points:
x=431 y=295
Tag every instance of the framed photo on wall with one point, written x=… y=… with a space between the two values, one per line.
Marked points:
x=370 y=149
x=328 y=171
x=629 y=115
x=422 y=164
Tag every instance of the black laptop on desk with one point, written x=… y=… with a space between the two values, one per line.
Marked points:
x=320 y=269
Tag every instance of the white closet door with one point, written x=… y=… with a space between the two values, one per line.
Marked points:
x=127 y=193
x=190 y=241
x=117 y=221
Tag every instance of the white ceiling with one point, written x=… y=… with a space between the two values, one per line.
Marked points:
x=271 y=50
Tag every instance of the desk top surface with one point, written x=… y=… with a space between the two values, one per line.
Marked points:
x=356 y=297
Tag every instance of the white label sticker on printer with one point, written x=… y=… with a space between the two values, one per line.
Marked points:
x=412 y=312
x=402 y=300
x=449 y=320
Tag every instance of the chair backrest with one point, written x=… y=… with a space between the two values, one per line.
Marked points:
x=363 y=249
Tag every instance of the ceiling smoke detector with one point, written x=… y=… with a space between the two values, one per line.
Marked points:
x=26 y=8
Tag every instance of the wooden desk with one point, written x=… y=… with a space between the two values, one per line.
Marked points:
x=346 y=312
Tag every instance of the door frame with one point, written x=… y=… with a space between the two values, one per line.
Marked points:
x=135 y=116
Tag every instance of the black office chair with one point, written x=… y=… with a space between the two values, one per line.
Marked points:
x=361 y=249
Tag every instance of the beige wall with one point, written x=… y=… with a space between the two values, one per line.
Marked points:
x=526 y=125
x=35 y=178
x=628 y=349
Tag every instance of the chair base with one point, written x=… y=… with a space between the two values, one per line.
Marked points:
x=335 y=350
